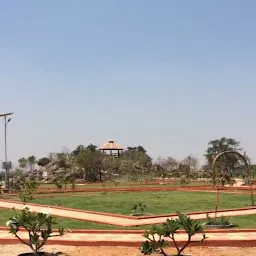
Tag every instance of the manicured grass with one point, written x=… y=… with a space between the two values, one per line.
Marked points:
x=164 y=202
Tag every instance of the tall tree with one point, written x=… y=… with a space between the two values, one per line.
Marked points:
x=44 y=161
x=218 y=146
x=91 y=164
x=32 y=162
x=23 y=162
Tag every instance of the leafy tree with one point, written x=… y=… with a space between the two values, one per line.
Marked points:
x=44 y=161
x=78 y=150
x=218 y=146
x=137 y=148
x=91 y=164
x=92 y=147
x=23 y=162
x=136 y=163
x=31 y=162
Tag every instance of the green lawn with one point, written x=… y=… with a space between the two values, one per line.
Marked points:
x=157 y=203
x=164 y=202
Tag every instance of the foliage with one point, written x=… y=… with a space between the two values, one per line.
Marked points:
x=183 y=180
x=23 y=162
x=44 y=161
x=31 y=162
x=25 y=184
x=156 y=235
x=218 y=146
x=28 y=189
x=140 y=207
x=37 y=225
x=90 y=163
x=223 y=221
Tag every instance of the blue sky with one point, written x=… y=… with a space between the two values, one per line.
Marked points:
x=169 y=75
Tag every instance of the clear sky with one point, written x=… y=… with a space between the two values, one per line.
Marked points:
x=168 y=74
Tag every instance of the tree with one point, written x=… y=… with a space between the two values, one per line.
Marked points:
x=78 y=149
x=136 y=163
x=23 y=163
x=227 y=161
x=31 y=162
x=44 y=161
x=218 y=146
x=92 y=147
x=138 y=148
x=91 y=164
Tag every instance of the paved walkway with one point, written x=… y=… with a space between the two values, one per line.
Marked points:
x=135 y=239
x=119 y=220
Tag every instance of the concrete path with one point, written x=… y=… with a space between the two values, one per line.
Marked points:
x=134 y=239
x=118 y=220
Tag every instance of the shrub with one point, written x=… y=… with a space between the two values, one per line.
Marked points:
x=155 y=236
x=37 y=225
x=183 y=180
x=223 y=221
x=140 y=207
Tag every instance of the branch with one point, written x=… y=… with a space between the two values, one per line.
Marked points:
x=175 y=243
x=163 y=252
x=23 y=241
x=186 y=244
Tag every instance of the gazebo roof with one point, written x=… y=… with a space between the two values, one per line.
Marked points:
x=111 y=145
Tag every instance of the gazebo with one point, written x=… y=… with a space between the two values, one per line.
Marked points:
x=112 y=148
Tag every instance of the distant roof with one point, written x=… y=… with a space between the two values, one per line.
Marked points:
x=111 y=145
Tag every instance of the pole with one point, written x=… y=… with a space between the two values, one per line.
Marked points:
x=5 y=151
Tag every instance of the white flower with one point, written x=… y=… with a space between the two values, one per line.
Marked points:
x=47 y=211
x=26 y=208
x=8 y=223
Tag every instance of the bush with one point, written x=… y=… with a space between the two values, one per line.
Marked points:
x=183 y=180
x=155 y=236
x=37 y=225
x=222 y=221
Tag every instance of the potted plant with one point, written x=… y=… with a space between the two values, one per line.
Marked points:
x=222 y=222
x=38 y=227
x=157 y=234
x=139 y=210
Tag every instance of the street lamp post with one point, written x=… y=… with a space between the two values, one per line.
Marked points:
x=6 y=166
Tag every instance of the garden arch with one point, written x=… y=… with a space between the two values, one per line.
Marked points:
x=247 y=167
x=242 y=157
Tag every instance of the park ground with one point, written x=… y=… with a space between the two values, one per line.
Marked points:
x=10 y=250
x=161 y=202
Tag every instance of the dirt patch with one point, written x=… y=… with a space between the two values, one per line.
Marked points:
x=11 y=250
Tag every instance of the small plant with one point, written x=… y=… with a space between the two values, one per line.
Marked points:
x=139 y=208
x=117 y=183
x=58 y=184
x=222 y=221
x=183 y=180
x=37 y=225
x=27 y=190
x=155 y=236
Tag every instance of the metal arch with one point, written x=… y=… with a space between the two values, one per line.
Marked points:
x=230 y=152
